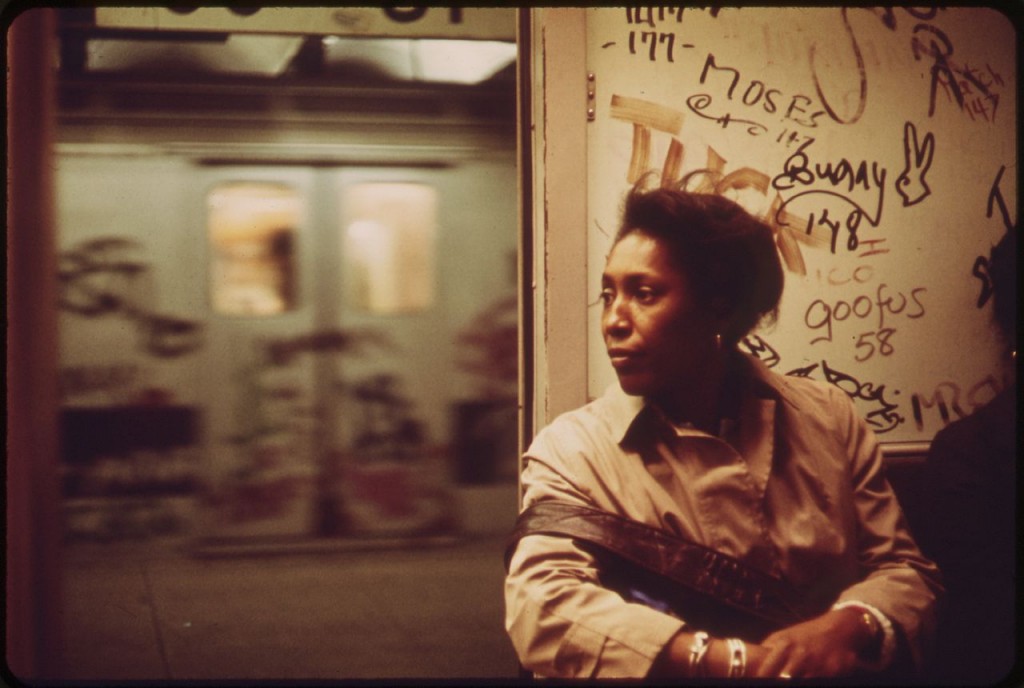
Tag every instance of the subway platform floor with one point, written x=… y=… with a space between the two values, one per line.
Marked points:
x=156 y=611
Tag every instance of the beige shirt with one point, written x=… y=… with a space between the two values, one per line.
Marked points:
x=794 y=487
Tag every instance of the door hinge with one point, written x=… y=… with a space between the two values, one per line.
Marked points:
x=591 y=93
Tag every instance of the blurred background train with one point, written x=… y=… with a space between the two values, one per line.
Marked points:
x=287 y=273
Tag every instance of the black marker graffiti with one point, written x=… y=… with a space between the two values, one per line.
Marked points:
x=757 y=347
x=979 y=98
x=803 y=372
x=862 y=74
x=844 y=176
x=98 y=278
x=700 y=102
x=882 y=416
x=888 y=14
x=927 y=43
x=939 y=48
x=758 y=94
x=790 y=137
x=930 y=42
x=947 y=396
x=917 y=159
x=995 y=196
x=655 y=39
x=980 y=270
x=645 y=15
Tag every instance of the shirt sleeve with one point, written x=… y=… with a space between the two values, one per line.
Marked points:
x=888 y=645
x=899 y=581
x=562 y=623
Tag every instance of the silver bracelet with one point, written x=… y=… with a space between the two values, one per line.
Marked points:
x=698 y=651
x=737 y=657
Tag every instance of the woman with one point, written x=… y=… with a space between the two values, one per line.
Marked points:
x=777 y=475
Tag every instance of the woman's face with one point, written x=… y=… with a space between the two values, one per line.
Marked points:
x=657 y=338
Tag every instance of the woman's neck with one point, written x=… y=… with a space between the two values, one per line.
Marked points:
x=705 y=399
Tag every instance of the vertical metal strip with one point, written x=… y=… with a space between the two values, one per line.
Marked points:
x=524 y=145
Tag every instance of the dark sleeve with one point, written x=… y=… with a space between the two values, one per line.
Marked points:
x=953 y=525
x=965 y=528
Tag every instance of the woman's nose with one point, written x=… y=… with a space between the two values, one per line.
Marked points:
x=616 y=321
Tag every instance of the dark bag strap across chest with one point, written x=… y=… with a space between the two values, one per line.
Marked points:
x=706 y=583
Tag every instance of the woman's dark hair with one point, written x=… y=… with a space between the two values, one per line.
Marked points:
x=1002 y=268
x=727 y=255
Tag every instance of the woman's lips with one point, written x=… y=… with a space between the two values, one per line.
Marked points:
x=622 y=358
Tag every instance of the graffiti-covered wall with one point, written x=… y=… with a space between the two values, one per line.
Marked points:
x=879 y=145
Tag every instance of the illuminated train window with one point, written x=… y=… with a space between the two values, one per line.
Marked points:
x=388 y=246
x=253 y=236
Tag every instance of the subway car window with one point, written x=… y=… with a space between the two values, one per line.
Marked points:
x=252 y=230
x=389 y=238
x=287 y=341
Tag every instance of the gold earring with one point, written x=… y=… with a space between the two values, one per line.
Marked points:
x=718 y=340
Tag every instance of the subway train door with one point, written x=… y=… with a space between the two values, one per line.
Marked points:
x=322 y=384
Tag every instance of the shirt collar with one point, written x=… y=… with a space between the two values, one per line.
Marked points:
x=626 y=410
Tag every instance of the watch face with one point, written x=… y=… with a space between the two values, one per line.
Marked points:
x=875 y=629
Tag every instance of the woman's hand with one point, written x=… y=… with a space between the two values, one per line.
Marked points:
x=826 y=646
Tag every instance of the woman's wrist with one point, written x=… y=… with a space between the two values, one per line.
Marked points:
x=873 y=646
x=673 y=661
x=862 y=630
x=699 y=655
x=685 y=656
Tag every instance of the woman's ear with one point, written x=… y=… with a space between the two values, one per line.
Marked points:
x=721 y=309
x=722 y=313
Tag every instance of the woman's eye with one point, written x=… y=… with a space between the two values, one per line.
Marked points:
x=607 y=296
x=645 y=295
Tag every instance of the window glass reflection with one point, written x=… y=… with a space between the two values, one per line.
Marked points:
x=253 y=236
x=388 y=244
